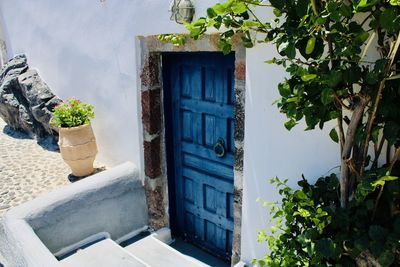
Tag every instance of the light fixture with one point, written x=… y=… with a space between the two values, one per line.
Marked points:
x=182 y=11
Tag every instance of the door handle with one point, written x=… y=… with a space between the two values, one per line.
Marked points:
x=219 y=148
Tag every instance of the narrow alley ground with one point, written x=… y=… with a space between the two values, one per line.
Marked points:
x=27 y=169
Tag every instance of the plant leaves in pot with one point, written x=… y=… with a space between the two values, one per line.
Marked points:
x=76 y=138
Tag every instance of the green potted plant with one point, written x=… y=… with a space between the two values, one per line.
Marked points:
x=76 y=138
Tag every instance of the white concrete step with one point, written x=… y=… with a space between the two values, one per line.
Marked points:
x=105 y=253
x=151 y=251
x=156 y=253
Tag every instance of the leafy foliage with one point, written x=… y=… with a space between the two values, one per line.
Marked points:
x=310 y=228
x=72 y=113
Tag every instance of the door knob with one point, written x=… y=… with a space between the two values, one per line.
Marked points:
x=219 y=148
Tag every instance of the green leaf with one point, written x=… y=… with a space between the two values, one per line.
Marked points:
x=277 y=12
x=372 y=78
x=251 y=23
x=200 y=22
x=284 y=89
x=225 y=45
x=335 y=16
x=346 y=10
x=327 y=96
x=391 y=131
x=361 y=243
x=362 y=36
x=277 y=3
x=377 y=233
x=247 y=41
x=302 y=212
x=310 y=45
x=300 y=194
x=290 y=51
x=381 y=181
x=365 y=4
x=290 y=124
x=302 y=7
x=334 y=135
x=386 y=258
x=331 y=6
x=271 y=61
x=395 y=2
x=326 y=247
x=387 y=19
x=362 y=3
x=229 y=33
x=375 y=134
x=262 y=263
x=334 y=78
x=308 y=77
x=219 y=9
x=238 y=7
x=211 y=13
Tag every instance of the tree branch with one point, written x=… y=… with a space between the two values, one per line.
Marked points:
x=255 y=16
x=340 y=101
x=341 y=131
x=348 y=144
x=365 y=20
x=257 y=4
x=371 y=119
x=377 y=154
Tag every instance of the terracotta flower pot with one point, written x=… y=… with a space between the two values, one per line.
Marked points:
x=78 y=149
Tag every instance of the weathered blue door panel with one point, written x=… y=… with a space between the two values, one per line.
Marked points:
x=199 y=108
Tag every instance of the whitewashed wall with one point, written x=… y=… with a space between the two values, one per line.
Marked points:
x=88 y=49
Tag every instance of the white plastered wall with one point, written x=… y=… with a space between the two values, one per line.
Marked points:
x=88 y=49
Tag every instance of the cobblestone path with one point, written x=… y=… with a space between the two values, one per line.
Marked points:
x=27 y=169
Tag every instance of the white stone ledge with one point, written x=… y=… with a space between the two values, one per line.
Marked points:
x=112 y=201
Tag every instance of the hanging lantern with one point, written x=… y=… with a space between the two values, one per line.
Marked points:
x=182 y=11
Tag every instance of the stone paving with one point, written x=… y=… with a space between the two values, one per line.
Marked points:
x=27 y=170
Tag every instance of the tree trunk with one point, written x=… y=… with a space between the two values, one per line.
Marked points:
x=366 y=259
x=347 y=148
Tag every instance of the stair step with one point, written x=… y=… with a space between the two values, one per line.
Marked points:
x=155 y=253
x=105 y=253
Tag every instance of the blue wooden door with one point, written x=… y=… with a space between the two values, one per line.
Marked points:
x=199 y=97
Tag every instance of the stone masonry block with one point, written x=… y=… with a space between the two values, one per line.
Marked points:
x=156 y=206
x=151 y=110
x=238 y=164
x=152 y=158
x=150 y=75
x=240 y=70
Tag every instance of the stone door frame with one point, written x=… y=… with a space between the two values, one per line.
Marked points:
x=153 y=127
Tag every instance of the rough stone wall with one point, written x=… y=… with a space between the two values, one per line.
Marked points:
x=154 y=160
x=26 y=101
